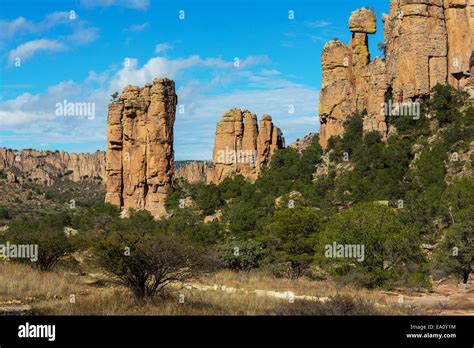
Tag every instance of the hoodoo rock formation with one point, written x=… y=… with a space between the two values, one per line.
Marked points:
x=44 y=167
x=241 y=147
x=140 y=147
x=426 y=42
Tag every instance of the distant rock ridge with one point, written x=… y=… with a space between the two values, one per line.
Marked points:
x=194 y=171
x=44 y=166
x=303 y=143
x=140 y=152
x=426 y=42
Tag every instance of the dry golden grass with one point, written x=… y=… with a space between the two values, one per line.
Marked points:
x=120 y=302
x=22 y=282
x=300 y=286
x=49 y=293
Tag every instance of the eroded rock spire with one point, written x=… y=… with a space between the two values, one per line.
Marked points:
x=140 y=147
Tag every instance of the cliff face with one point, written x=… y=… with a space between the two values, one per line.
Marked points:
x=417 y=47
x=303 y=143
x=194 y=171
x=140 y=147
x=44 y=167
x=426 y=42
x=241 y=148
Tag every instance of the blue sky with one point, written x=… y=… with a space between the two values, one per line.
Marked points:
x=85 y=55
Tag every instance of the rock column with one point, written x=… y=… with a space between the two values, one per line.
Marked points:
x=140 y=147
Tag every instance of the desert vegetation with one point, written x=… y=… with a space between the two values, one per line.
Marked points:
x=407 y=201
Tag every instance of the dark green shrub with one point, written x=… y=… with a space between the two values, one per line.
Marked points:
x=289 y=239
x=4 y=213
x=241 y=255
x=49 y=235
x=148 y=263
x=446 y=103
x=390 y=249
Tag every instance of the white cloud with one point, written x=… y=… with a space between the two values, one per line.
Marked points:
x=64 y=89
x=255 y=60
x=9 y=28
x=56 y=18
x=40 y=107
x=133 y=4
x=162 y=67
x=27 y=50
x=316 y=38
x=318 y=24
x=18 y=111
x=21 y=25
x=83 y=35
x=272 y=72
x=172 y=68
x=80 y=32
x=163 y=47
x=317 y=31
x=34 y=117
x=137 y=27
x=93 y=77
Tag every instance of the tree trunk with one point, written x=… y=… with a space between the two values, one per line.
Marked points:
x=466 y=275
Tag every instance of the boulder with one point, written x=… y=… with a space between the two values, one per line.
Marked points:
x=363 y=21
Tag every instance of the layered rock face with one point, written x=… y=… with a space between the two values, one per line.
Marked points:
x=140 y=147
x=416 y=47
x=194 y=171
x=426 y=42
x=459 y=15
x=44 y=167
x=241 y=147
